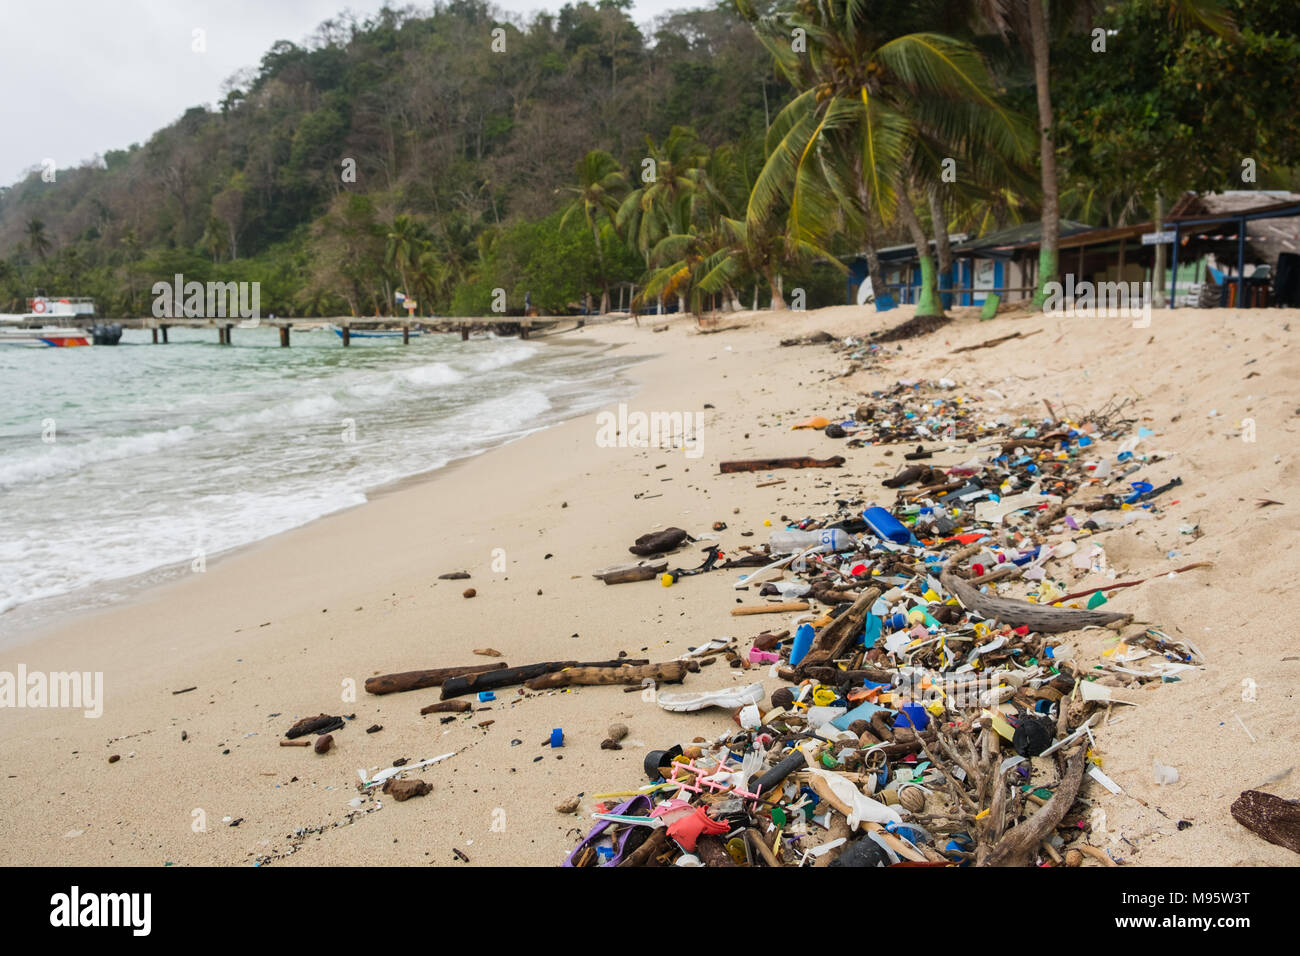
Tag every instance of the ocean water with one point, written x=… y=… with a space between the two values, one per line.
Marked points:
x=162 y=453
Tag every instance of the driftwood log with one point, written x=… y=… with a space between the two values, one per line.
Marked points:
x=631 y=572
x=660 y=542
x=1038 y=617
x=320 y=724
x=713 y=852
x=447 y=707
x=780 y=608
x=765 y=464
x=508 y=676
x=415 y=680
x=1274 y=819
x=833 y=675
x=1018 y=845
x=672 y=672
x=840 y=634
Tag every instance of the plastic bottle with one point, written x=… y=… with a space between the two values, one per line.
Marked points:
x=803 y=639
x=885 y=525
x=827 y=539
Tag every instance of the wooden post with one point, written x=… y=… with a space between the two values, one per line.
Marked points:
x=1173 y=281
x=284 y=336
x=523 y=329
x=228 y=328
x=347 y=340
x=1241 y=263
x=406 y=335
x=155 y=335
x=164 y=332
x=464 y=332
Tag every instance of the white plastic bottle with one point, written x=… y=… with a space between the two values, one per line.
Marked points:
x=827 y=539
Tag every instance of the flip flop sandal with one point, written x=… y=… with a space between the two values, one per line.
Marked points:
x=625 y=842
x=731 y=698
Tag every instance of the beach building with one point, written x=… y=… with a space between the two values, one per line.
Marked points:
x=1240 y=247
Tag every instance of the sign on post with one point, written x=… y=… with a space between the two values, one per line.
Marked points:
x=1157 y=238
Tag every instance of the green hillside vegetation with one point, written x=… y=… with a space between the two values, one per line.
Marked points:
x=736 y=154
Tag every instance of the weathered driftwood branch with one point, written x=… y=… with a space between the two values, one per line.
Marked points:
x=1038 y=617
x=631 y=572
x=780 y=608
x=671 y=672
x=508 y=676
x=759 y=846
x=416 y=680
x=833 y=675
x=713 y=852
x=990 y=343
x=840 y=634
x=655 y=843
x=320 y=724
x=1019 y=844
x=764 y=464
x=1131 y=584
x=447 y=707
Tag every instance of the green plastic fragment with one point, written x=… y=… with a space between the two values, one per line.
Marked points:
x=1097 y=600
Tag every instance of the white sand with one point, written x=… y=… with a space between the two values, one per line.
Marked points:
x=279 y=628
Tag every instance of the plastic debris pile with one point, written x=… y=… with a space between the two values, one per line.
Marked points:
x=929 y=717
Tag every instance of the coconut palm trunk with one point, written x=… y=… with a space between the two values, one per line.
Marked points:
x=928 y=302
x=1048 y=250
x=941 y=245
x=1158 y=271
x=774 y=282
x=600 y=266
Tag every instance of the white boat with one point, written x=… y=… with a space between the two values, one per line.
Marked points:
x=30 y=329
x=45 y=336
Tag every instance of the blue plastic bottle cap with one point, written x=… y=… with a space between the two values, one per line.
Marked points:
x=557 y=737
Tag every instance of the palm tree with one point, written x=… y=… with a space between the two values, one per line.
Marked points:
x=600 y=189
x=666 y=202
x=404 y=242
x=1029 y=20
x=37 y=239
x=902 y=104
x=758 y=250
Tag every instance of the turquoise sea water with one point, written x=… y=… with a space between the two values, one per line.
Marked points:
x=162 y=452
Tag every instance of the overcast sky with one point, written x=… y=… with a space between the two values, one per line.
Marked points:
x=81 y=77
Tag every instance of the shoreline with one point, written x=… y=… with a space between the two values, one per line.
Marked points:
x=284 y=629
x=48 y=614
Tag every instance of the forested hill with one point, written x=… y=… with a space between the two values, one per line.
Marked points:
x=455 y=142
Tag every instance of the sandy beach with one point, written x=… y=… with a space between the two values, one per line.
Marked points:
x=293 y=626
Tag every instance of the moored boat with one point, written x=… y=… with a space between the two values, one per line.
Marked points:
x=32 y=329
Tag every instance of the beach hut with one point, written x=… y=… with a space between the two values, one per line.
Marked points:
x=1246 y=241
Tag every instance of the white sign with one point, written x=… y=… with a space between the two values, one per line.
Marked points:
x=1157 y=238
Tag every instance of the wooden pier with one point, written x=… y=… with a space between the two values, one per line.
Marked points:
x=225 y=326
